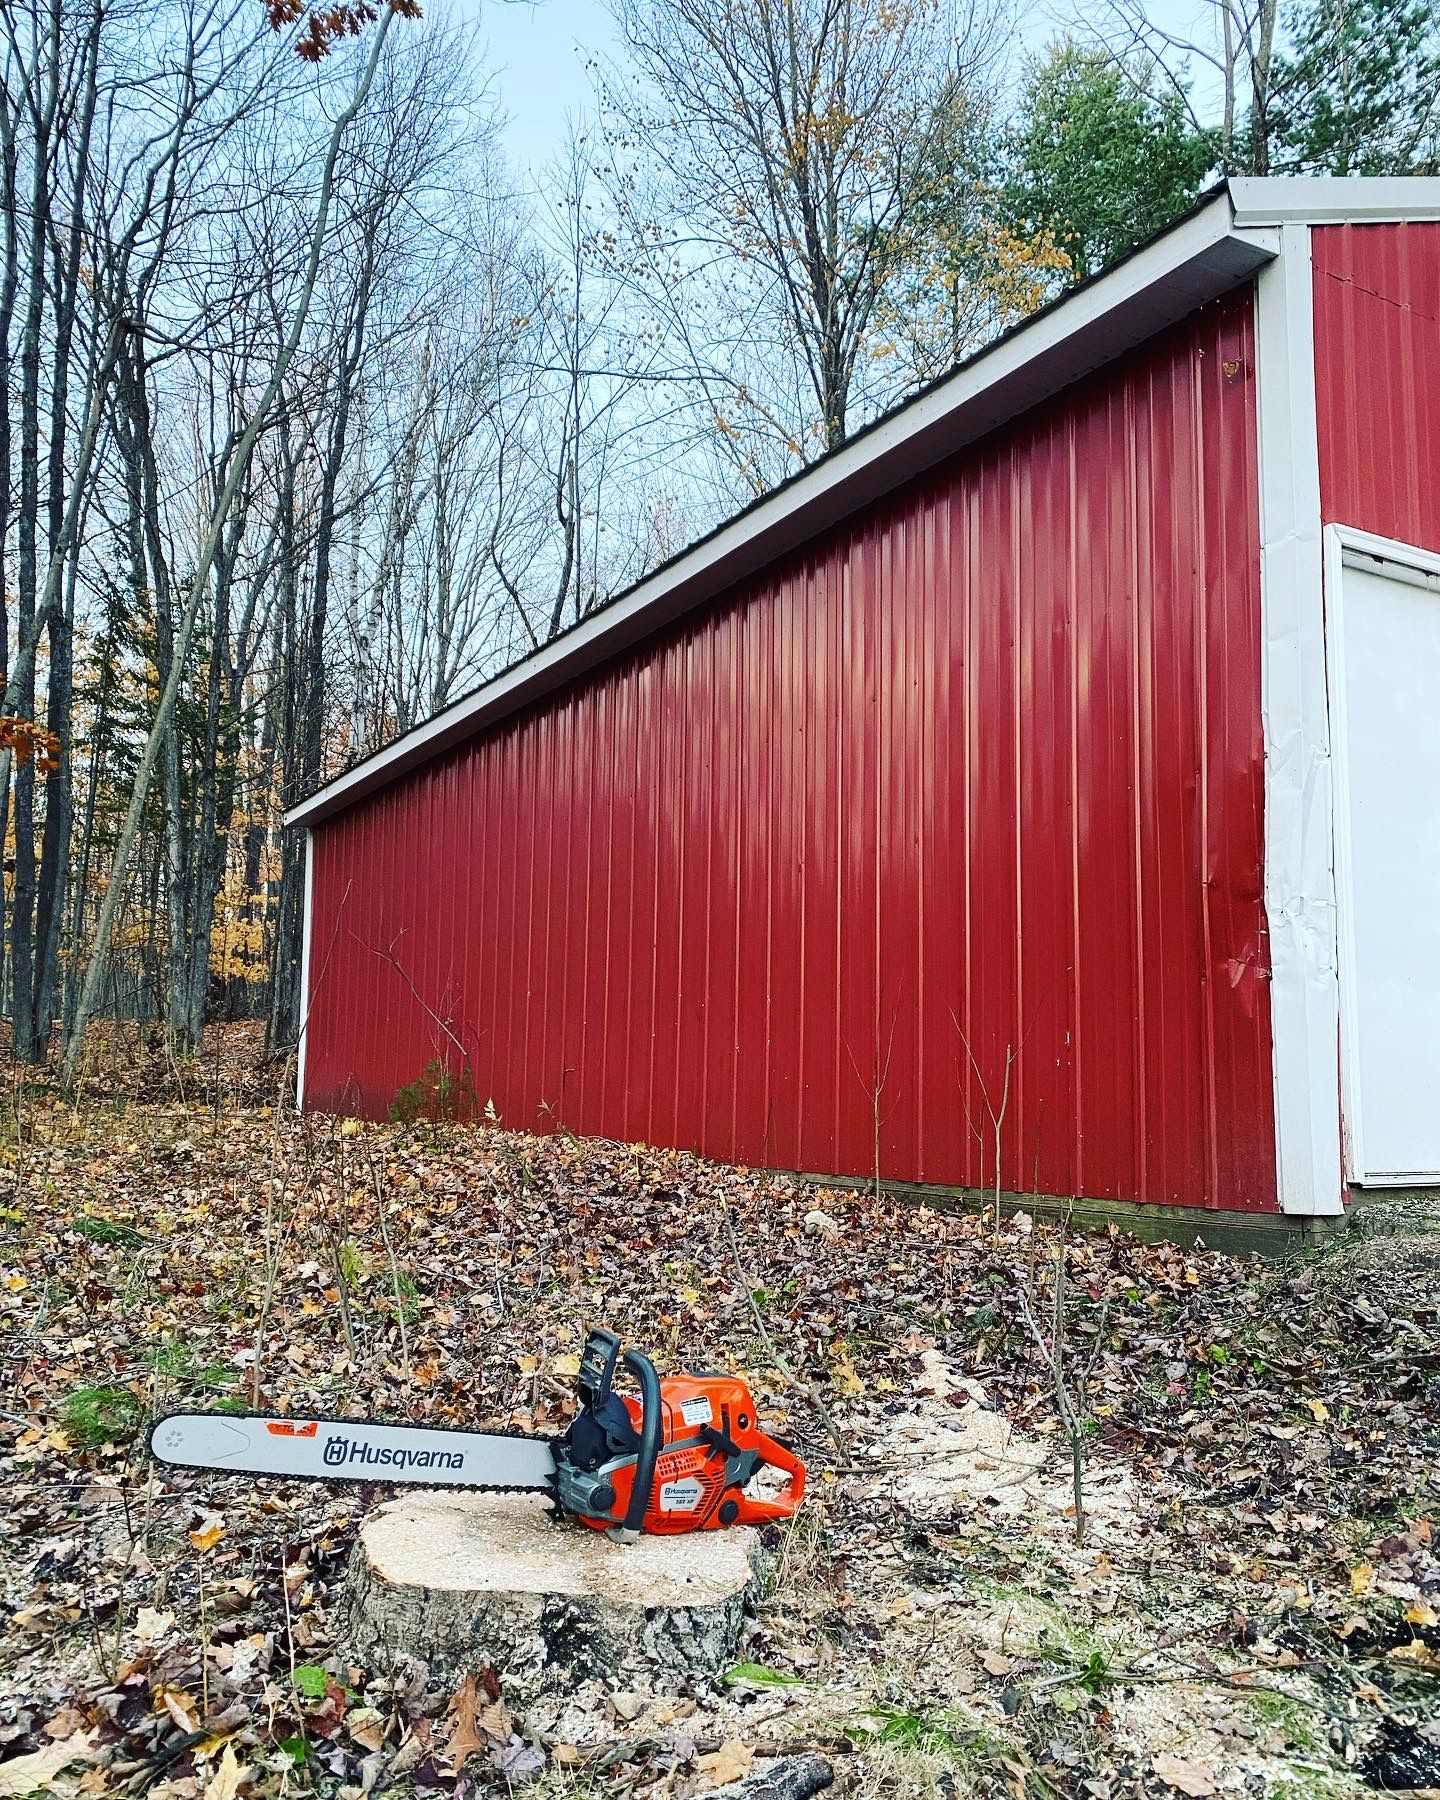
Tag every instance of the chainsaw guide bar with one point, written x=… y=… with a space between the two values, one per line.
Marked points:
x=355 y=1450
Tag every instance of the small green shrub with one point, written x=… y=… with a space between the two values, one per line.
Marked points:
x=759 y=1675
x=108 y=1231
x=103 y=1415
x=436 y=1093
x=403 y=1299
x=935 y=1734
x=175 y=1360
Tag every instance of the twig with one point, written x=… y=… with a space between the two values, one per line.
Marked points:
x=388 y=956
x=807 y=1388
x=342 y=1285
x=289 y=1617
x=1069 y=1404
x=996 y=1117
x=394 y=1268
x=204 y=1652
x=875 y=1090
x=274 y=1251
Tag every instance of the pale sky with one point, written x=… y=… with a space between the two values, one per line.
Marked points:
x=536 y=54
x=537 y=51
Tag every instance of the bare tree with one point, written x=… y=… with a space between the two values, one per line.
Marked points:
x=1235 y=40
x=768 y=156
x=235 y=465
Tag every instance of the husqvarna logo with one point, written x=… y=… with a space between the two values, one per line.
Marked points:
x=340 y=1451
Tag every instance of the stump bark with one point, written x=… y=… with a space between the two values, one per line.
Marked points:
x=460 y=1581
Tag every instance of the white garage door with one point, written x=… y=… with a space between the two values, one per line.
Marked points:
x=1385 y=678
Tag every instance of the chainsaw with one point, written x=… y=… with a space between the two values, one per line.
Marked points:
x=672 y=1458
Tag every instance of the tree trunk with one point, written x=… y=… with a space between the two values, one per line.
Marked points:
x=462 y=1580
x=22 y=908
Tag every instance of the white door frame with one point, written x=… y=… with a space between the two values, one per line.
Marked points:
x=1344 y=543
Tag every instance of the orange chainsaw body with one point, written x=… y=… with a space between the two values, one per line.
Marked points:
x=696 y=1443
x=691 y=1491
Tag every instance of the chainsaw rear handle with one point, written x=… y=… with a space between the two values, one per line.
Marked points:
x=786 y=1503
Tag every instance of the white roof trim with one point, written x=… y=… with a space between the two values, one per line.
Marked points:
x=1224 y=241
x=1334 y=199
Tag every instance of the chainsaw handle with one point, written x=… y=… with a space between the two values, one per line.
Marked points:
x=787 y=1502
x=652 y=1431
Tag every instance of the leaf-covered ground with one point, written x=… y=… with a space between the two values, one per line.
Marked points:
x=1253 y=1611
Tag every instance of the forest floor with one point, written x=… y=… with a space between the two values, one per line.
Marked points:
x=1253 y=1609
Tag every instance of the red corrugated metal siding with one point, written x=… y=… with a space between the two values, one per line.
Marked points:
x=1377 y=378
x=981 y=770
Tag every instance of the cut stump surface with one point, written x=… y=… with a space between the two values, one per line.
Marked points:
x=464 y=1580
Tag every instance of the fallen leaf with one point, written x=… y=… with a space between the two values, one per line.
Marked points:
x=1191 y=1778
x=366 y=1727
x=224 y=1784
x=25 y=1774
x=151 y=1624
x=1319 y=1409
x=467 y=1735
x=208 y=1535
x=180 y=1706
x=405 y=1758
x=996 y=1663
x=495 y=1722
x=517 y=1759
x=731 y=1762
x=1362 y=1578
x=66 y=1723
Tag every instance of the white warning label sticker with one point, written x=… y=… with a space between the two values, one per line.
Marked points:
x=697 y=1411
x=681 y=1496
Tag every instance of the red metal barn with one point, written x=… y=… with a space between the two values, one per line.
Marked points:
x=1063 y=747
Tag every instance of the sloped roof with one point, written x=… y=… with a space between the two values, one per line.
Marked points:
x=1231 y=233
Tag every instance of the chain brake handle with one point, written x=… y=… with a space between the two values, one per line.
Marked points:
x=596 y=1379
x=597 y=1367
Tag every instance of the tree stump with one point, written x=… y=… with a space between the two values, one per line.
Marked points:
x=460 y=1581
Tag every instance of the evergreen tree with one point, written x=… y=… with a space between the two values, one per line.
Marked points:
x=1358 y=93
x=1100 y=154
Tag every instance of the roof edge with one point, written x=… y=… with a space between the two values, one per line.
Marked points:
x=1196 y=259
x=1261 y=200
